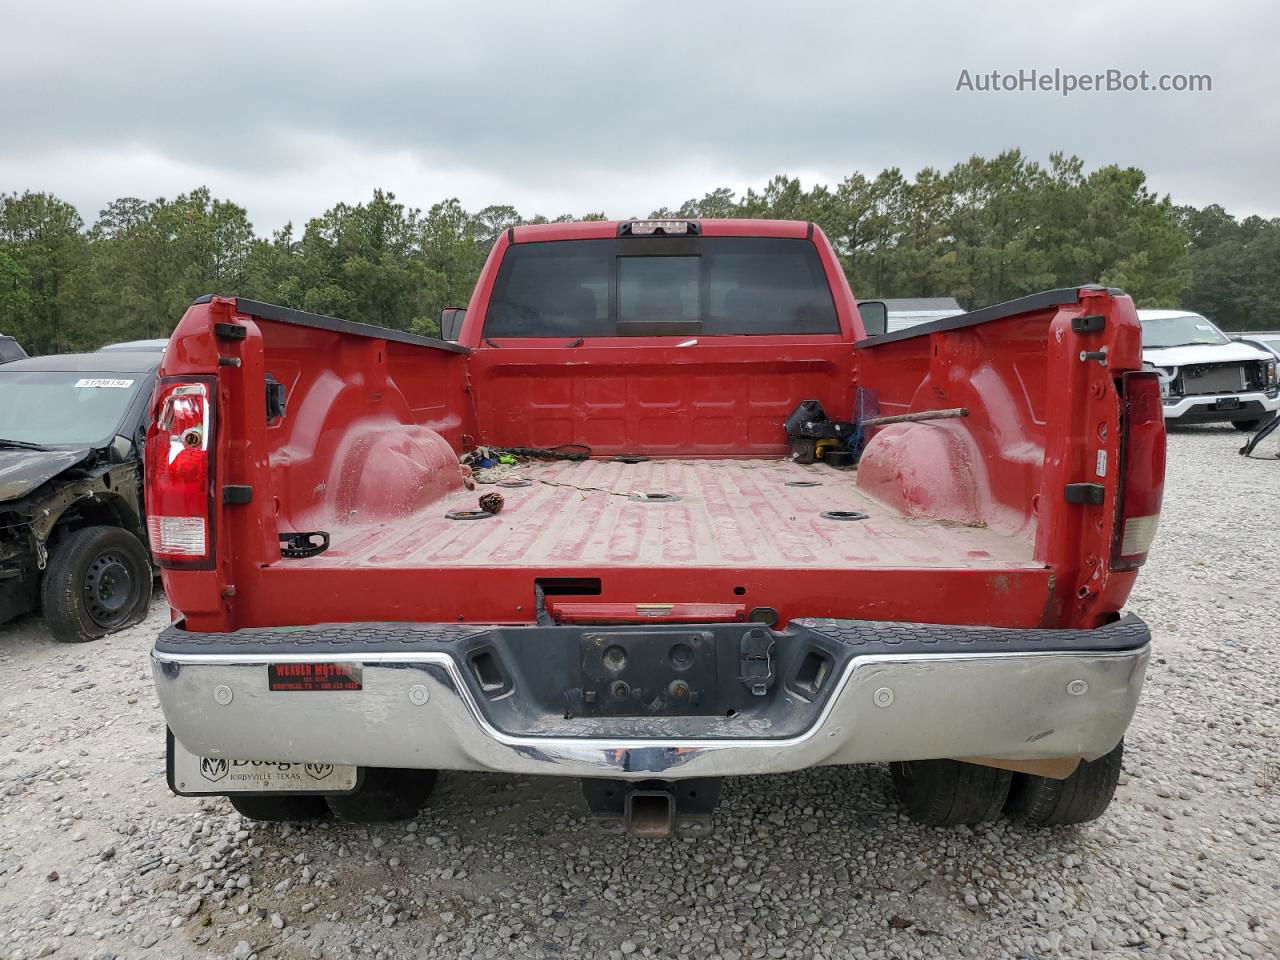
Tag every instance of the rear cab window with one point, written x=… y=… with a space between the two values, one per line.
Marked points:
x=685 y=286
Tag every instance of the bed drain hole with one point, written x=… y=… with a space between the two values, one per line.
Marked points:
x=655 y=497
x=803 y=483
x=468 y=514
x=843 y=515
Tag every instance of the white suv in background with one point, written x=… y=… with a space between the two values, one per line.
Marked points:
x=1205 y=376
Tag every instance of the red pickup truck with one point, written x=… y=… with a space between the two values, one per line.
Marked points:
x=666 y=596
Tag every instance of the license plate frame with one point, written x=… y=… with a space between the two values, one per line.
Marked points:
x=190 y=775
x=1227 y=403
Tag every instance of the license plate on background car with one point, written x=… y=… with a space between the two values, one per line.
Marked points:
x=1228 y=403
x=190 y=774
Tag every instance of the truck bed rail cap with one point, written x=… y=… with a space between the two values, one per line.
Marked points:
x=271 y=311
x=998 y=311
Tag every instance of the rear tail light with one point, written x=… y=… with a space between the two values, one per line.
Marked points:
x=179 y=474
x=1142 y=439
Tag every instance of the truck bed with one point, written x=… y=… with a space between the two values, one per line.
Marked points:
x=730 y=513
x=1005 y=517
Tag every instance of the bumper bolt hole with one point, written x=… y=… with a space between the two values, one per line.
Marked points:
x=615 y=658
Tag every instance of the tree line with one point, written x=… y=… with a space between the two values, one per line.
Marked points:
x=984 y=231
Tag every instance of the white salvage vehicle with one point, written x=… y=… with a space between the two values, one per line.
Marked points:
x=1205 y=376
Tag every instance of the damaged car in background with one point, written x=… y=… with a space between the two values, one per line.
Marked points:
x=1205 y=376
x=72 y=529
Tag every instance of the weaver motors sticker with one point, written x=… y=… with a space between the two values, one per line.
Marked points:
x=103 y=382
x=309 y=677
x=196 y=774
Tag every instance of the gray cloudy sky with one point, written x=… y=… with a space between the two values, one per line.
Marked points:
x=554 y=107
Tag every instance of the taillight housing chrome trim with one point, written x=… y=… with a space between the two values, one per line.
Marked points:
x=1140 y=488
x=159 y=457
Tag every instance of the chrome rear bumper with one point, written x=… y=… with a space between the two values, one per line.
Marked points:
x=416 y=709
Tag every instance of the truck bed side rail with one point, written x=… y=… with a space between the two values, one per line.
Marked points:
x=997 y=311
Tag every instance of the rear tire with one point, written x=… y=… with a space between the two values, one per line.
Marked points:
x=98 y=581
x=280 y=808
x=943 y=793
x=1083 y=796
x=386 y=794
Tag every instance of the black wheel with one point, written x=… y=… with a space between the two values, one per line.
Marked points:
x=279 y=808
x=386 y=794
x=943 y=793
x=804 y=451
x=1083 y=796
x=98 y=580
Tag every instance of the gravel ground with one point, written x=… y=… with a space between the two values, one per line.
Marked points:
x=98 y=860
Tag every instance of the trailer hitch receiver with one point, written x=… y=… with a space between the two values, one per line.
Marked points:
x=649 y=813
x=653 y=808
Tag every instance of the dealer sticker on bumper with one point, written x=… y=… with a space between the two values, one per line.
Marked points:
x=192 y=774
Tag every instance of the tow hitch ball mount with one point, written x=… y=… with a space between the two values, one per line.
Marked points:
x=653 y=808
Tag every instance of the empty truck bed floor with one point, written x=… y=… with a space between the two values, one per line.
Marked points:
x=730 y=513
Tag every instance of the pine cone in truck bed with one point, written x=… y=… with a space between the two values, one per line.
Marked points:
x=491 y=503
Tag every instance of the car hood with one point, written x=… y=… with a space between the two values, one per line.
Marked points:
x=21 y=471
x=1202 y=353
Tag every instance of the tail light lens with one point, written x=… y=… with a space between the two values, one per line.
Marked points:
x=179 y=474
x=1142 y=440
